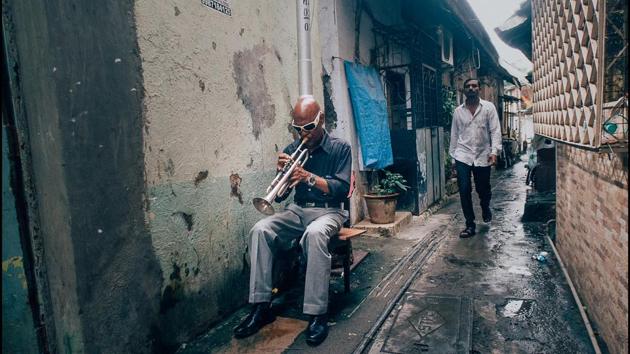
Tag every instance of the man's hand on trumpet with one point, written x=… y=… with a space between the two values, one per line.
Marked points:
x=298 y=175
x=283 y=159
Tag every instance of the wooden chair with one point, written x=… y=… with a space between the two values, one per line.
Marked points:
x=341 y=246
x=341 y=250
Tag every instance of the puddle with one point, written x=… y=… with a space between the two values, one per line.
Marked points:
x=512 y=308
x=516 y=307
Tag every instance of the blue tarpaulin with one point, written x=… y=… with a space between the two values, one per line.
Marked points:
x=370 y=115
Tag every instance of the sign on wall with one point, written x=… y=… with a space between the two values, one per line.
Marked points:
x=223 y=6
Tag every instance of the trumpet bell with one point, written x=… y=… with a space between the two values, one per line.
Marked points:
x=281 y=183
x=263 y=206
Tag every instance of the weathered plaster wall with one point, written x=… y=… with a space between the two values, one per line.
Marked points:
x=219 y=91
x=592 y=236
x=331 y=21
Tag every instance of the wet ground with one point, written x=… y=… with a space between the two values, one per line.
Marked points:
x=520 y=305
x=428 y=291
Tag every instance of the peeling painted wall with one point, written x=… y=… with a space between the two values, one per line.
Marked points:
x=219 y=90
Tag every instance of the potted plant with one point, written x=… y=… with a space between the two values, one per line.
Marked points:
x=381 y=199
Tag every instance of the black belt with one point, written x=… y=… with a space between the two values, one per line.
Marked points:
x=337 y=205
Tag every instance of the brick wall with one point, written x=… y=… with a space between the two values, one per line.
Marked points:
x=592 y=235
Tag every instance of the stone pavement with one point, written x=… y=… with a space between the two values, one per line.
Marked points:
x=425 y=290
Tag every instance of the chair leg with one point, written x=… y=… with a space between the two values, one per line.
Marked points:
x=346 y=271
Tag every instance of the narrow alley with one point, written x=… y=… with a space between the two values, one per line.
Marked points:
x=175 y=174
x=485 y=294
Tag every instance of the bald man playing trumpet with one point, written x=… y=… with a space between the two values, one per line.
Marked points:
x=315 y=216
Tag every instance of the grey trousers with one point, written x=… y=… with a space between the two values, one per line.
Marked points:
x=314 y=227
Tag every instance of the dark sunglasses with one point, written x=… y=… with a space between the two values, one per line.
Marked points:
x=309 y=126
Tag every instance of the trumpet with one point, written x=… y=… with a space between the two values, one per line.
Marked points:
x=280 y=183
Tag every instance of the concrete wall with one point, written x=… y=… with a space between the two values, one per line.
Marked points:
x=151 y=127
x=218 y=95
x=592 y=235
x=78 y=93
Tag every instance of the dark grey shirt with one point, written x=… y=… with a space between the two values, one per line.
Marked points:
x=330 y=160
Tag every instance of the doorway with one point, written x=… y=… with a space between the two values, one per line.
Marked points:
x=429 y=134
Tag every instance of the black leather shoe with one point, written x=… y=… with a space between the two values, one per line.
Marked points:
x=317 y=330
x=260 y=316
x=469 y=231
x=486 y=215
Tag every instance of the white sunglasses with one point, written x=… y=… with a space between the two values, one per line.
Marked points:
x=309 y=126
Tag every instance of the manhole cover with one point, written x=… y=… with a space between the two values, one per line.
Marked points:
x=428 y=321
x=430 y=324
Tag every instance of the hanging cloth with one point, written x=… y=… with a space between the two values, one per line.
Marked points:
x=369 y=108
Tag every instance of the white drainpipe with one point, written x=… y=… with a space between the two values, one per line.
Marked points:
x=305 y=72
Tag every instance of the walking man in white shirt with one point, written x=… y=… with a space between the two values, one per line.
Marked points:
x=475 y=144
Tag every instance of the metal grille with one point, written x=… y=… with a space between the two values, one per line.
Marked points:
x=425 y=97
x=425 y=51
x=616 y=47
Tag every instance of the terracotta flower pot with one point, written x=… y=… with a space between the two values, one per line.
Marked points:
x=381 y=208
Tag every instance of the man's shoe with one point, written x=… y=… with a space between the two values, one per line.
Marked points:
x=469 y=231
x=317 y=330
x=486 y=215
x=260 y=316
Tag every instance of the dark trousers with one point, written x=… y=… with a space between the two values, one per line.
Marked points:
x=482 y=186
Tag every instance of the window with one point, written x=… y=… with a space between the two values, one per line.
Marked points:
x=425 y=96
x=396 y=100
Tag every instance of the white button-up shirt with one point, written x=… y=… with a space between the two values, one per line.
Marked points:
x=475 y=137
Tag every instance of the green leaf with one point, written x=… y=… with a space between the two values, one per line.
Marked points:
x=401 y=186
